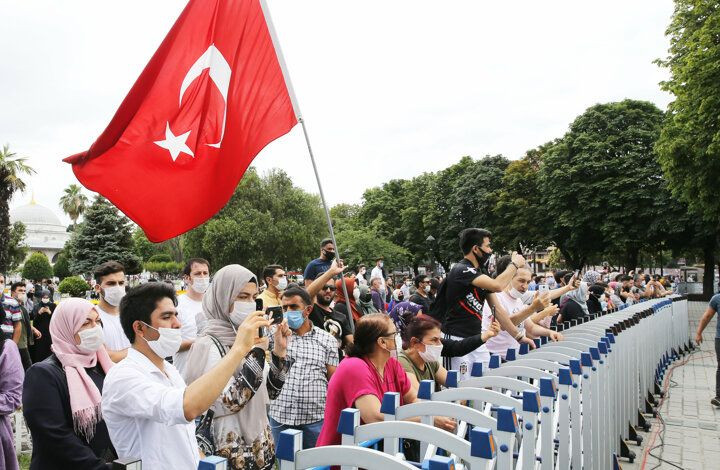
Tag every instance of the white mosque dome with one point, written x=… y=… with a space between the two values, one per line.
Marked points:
x=43 y=229
x=35 y=214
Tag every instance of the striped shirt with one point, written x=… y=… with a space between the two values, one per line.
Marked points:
x=12 y=315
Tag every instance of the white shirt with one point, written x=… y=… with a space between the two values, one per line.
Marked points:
x=143 y=410
x=115 y=339
x=376 y=272
x=503 y=341
x=187 y=308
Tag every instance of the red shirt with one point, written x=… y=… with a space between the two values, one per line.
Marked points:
x=354 y=378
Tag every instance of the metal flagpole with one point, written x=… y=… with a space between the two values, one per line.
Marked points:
x=293 y=99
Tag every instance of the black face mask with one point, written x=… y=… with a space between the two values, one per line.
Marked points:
x=329 y=255
x=482 y=260
x=366 y=297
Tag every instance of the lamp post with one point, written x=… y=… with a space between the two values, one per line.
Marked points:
x=430 y=240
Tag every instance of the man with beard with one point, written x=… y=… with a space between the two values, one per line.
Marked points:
x=325 y=317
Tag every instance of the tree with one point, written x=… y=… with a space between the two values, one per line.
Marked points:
x=73 y=202
x=17 y=249
x=602 y=187
x=104 y=235
x=689 y=144
x=12 y=169
x=37 y=267
x=163 y=268
x=74 y=286
x=61 y=268
x=267 y=220
x=145 y=249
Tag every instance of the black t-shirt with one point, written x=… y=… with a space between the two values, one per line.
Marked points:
x=424 y=302
x=333 y=322
x=464 y=301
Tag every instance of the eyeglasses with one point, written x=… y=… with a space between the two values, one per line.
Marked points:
x=390 y=334
x=331 y=288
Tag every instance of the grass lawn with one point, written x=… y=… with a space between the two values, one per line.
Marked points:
x=24 y=460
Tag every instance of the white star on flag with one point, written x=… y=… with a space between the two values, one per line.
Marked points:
x=175 y=144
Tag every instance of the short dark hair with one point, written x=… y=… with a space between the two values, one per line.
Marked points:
x=15 y=285
x=560 y=275
x=139 y=303
x=502 y=263
x=297 y=291
x=470 y=237
x=106 y=269
x=368 y=329
x=434 y=284
x=420 y=278
x=325 y=242
x=568 y=276
x=417 y=328
x=626 y=278
x=269 y=271
x=188 y=267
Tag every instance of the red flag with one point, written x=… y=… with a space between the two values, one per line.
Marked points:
x=209 y=100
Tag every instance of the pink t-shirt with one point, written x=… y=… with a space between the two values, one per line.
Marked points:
x=503 y=341
x=354 y=378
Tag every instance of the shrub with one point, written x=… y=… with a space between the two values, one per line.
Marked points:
x=74 y=286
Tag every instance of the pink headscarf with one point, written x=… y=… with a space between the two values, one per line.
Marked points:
x=85 y=397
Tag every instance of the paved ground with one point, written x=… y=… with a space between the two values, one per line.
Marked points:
x=692 y=424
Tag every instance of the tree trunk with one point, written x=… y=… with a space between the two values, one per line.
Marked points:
x=631 y=260
x=709 y=272
x=4 y=230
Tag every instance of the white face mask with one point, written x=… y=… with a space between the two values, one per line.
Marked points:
x=381 y=264
x=393 y=352
x=282 y=283
x=427 y=289
x=168 y=343
x=431 y=353
x=356 y=294
x=91 y=339
x=514 y=293
x=21 y=297
x=240 y=311
x=2 y=287
x=113 y=295
x=200 y=284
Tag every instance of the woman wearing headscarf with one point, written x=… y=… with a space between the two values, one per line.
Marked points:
x=41 y=315
x=61 y=395
x=240 y=427
x=575 y=306
x=11 y=378
x=340 y=304
x=365 y=301
x=591 y=277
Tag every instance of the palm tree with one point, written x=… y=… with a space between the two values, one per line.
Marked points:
x=12 y=169
x=74 y=202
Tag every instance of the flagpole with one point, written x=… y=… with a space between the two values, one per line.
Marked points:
x=296 y=107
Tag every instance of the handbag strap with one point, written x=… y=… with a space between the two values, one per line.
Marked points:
x=218 y=344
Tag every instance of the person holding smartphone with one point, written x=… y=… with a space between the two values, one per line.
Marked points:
x=240 y=427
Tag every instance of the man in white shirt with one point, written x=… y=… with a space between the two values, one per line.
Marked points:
x=377 y=271
x=110 y=285
x=148 y=409
x=525 y=317
x=196 y=276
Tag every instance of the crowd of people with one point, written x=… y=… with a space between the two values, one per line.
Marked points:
x=234 y=361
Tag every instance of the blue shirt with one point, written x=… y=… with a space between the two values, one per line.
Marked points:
x=315 y=268
x=715 y=305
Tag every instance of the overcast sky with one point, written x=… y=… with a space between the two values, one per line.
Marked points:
x=389 y=89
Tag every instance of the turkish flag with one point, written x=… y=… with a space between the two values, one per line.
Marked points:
x=209 y=100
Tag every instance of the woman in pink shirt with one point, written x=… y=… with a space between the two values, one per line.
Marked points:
x=362 y=378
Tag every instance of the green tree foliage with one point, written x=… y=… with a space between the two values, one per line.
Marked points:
x=12 y=170
x=602 y=187
x=145 y=249
x=61 y=269
x=73 y=202
x=17 y=249
x=104 y=235
x=37 y=267
x=74 y=286
x=267 y=220
x=160 y=258
x=163 y=268
x=689 y=144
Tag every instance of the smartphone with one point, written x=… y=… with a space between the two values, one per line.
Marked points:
x=521 y=249
x=542 y=288
x=274 y=314
x=259 y=307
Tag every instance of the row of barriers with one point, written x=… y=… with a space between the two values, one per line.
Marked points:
x=577 y=403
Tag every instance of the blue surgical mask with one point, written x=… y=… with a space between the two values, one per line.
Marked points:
x=295 y=318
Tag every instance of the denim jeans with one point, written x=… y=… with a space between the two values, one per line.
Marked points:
x=311 y=431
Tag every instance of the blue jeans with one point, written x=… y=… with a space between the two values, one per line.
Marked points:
x=310 y=431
